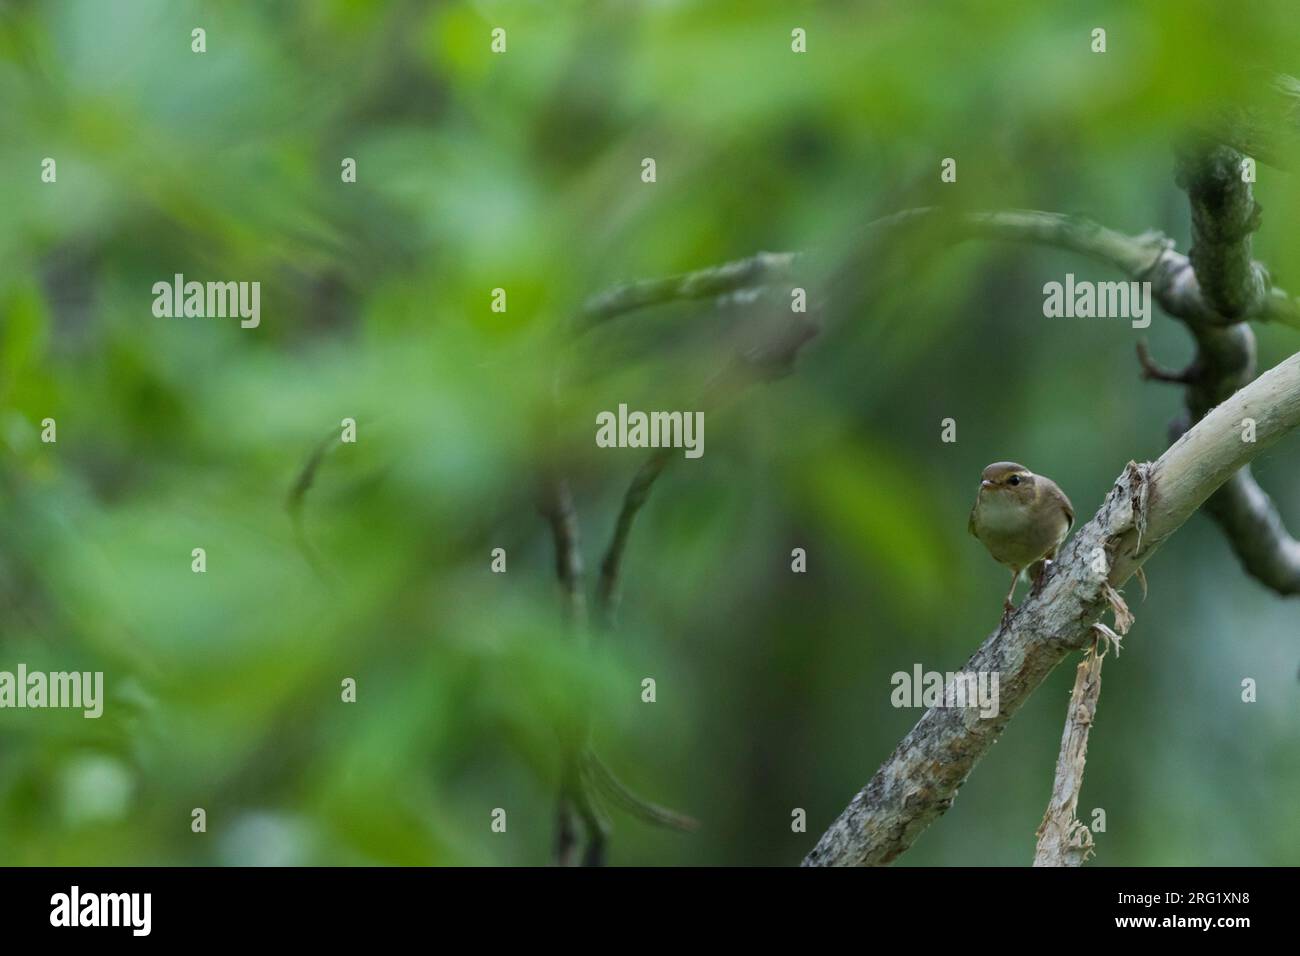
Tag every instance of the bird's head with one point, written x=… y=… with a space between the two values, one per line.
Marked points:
x=1007 y=481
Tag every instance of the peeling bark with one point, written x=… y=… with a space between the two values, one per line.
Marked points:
x=1062 y=839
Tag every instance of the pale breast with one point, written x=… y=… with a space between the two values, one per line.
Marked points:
x=1006 y=530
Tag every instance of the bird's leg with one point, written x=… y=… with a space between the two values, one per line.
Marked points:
x=1007 y=606
x=1039 y=574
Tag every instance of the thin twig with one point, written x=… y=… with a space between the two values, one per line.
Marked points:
x=297 y=496
x=700 y=284
x=612 y=564
x=556 y=505
x=603 y=781
x=555 y=501
x=1152 y=371
x=770 y=357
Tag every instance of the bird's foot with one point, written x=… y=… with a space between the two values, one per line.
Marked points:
x=1007 y=609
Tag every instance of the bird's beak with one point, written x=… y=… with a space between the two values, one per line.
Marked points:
x=985 y=483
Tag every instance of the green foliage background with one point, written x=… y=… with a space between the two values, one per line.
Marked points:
x=522 y=171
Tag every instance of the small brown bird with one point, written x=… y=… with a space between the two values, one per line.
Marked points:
x=1022 y=518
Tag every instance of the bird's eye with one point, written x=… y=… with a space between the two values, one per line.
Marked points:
x=1013 y=480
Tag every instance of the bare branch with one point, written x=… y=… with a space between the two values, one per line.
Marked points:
x=1244 y=512
x=701 y=284
x=612 y=564
x=603 y=781
x=556 y=504
x=1280 y=308
x=297 y=497
x=1254 y=529
x=1223 y=213
x=1062 y=839
x=1149 y=256
x=772 y=356
x=920 y=779
x=1152 y=371
x=1224 y=217
x=584 y=778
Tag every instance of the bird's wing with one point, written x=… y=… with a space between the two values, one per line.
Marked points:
x=1065 y=505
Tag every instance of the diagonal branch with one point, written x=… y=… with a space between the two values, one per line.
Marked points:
x=1256 y=534
x=1148 y=503
x=611 y=566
